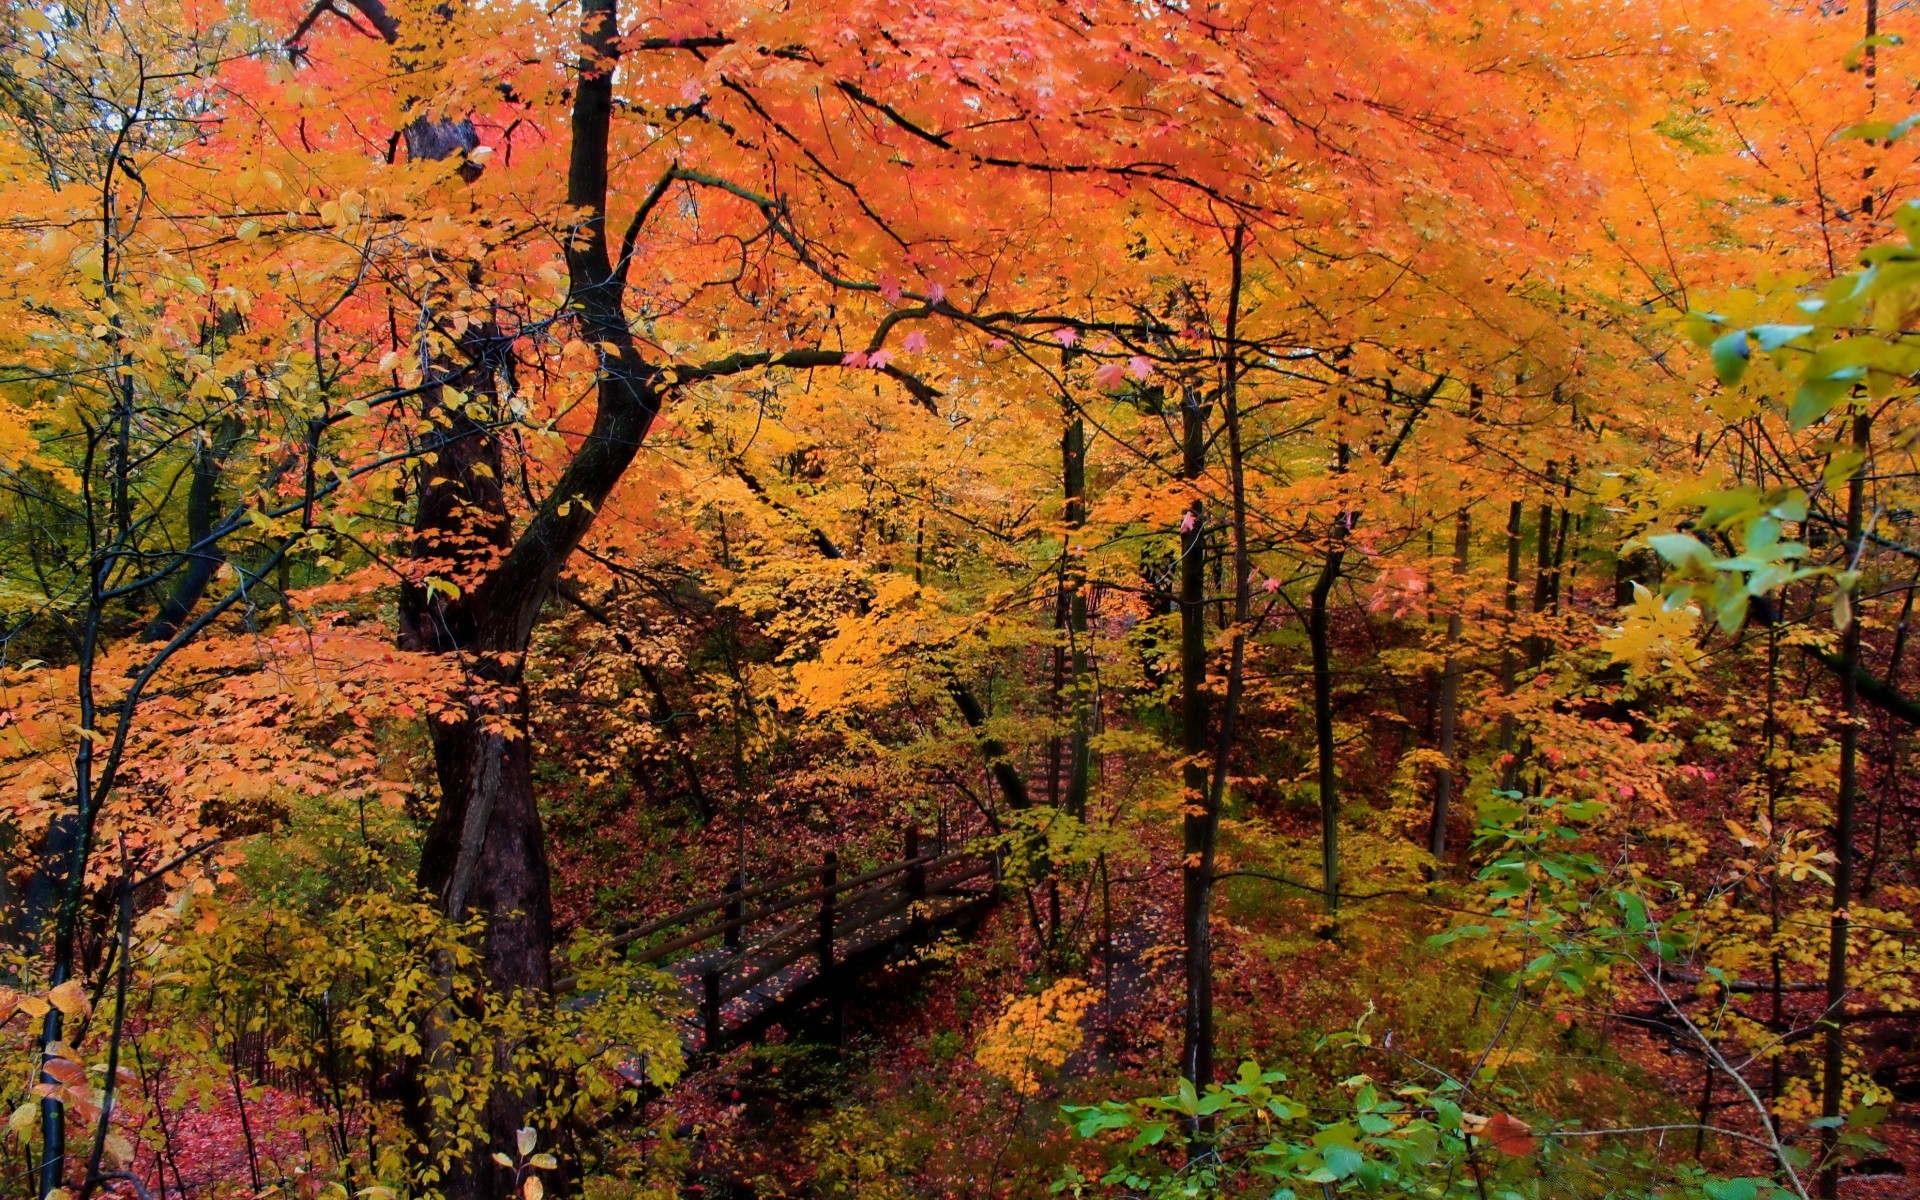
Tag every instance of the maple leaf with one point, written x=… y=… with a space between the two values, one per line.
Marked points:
x=890 y=288
x=1066 y=336
x=854 y=358
x=1139 y=367
x=879 y=359
x=1111 y=376
x=916 y=342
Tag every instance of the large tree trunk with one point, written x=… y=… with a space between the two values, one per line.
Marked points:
x=484 y=853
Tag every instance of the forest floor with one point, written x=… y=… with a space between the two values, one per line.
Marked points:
x=903 y=1111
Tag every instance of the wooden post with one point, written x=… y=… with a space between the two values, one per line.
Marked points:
x=829 y=877
x=735 y=885
x=916 y=883
x=710 y=1007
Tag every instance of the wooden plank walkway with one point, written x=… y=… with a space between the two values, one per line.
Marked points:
x=766 y=952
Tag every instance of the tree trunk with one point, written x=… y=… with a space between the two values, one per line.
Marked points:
x=1203 y=797
x=1450 y=695
x=1073 y=462
x=1834 y=1077
x=1197 y=1052
x=1510 y=767
x=483 y=852
x=1328 y=774
x=203 y=552
x=1542 y=574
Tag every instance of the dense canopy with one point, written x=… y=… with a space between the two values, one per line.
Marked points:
x=879 y=600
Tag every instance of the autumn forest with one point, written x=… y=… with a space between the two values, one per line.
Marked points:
x=867 y=600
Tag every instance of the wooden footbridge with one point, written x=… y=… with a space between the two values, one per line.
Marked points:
x=762 y=954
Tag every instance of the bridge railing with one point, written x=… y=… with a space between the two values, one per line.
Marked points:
x=769 y=927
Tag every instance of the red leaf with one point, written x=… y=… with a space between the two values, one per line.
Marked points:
x=1508 y=1135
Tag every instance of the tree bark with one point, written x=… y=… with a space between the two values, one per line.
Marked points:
x=1195 y=704
x=1833 y=1076
x=1510 y=768
x=1073 y=462
x=203 y=552
x=1203 y=796
x=484 y=851
x=1450 y=695
x=1318 y=638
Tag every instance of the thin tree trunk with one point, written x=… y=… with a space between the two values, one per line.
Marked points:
x=1560 y=544
x=1510 y=767
x=1073 y=462
x=1318 y=640
x=1833 y=1077
x=1890 y=781
x=1196 y=1055
x=1770 y=735
x=1450 y=695
x=203 y=552
x=1328 y=773
x=1201 y=829
x=1542 y=574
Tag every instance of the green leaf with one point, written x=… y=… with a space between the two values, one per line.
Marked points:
x=1731 y=613
x=1762 y=535
x=1772 y=337
x=1816 y=397
x=1730 y=354
x=1455 y=934
x=1634 y=909
x=1341 y=1161
x=1682 y=550
x=1731 y=1189
x=1860 y=48
x=1790 y=505
x=1841 y=466
x=1892 y=131
x=1866 y=1116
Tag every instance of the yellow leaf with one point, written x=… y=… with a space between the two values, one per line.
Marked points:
x=1652 y=636
x=70 y=998
x=119 y=1149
